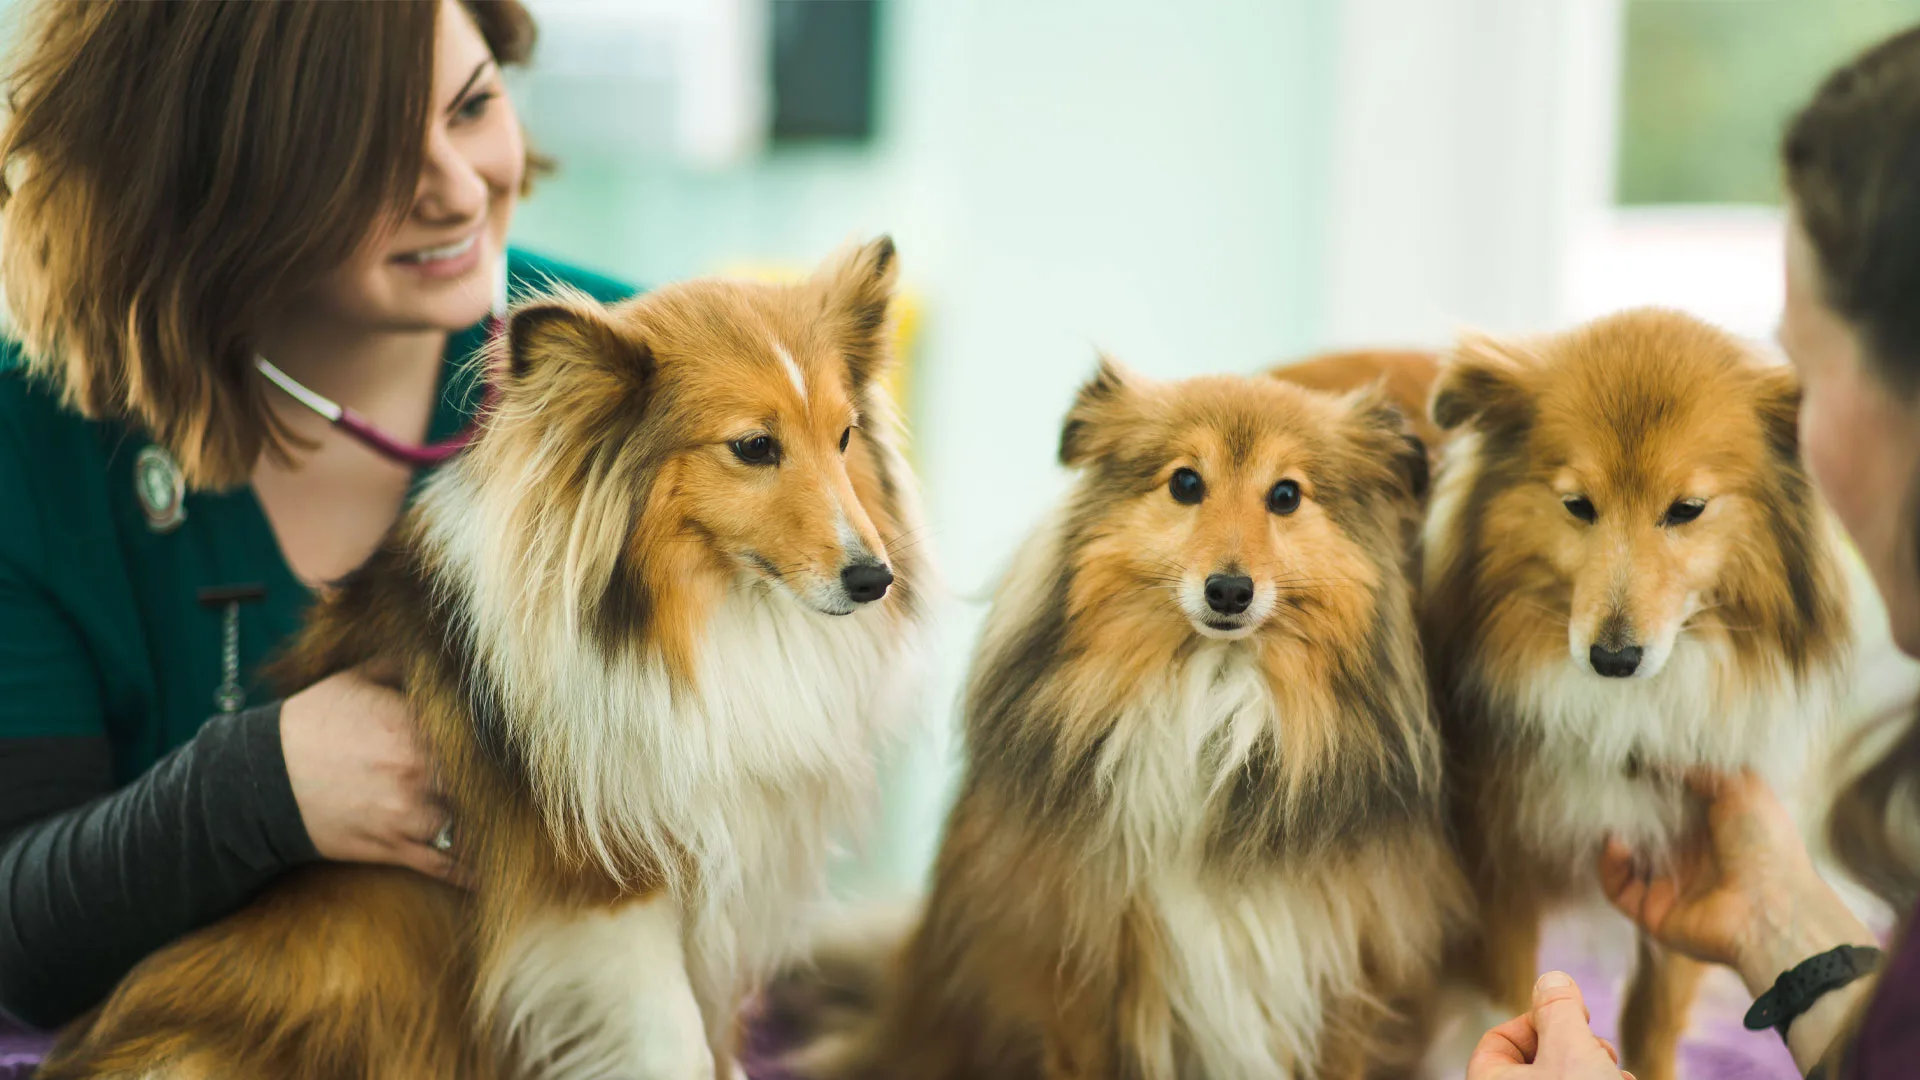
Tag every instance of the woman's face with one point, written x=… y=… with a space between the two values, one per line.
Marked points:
x=435 y=269
x=1860 y=439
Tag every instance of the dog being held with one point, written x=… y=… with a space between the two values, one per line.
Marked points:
x=653 y=624
x=1628 y=578
x=1200 y=832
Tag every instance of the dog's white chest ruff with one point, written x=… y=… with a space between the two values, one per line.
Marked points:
x=1249 y=963
x=1613 y=753
x=753 y=774
x=1251 y=969
x=792 y=711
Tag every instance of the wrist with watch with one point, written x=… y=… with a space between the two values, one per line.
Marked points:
x=1801 y=986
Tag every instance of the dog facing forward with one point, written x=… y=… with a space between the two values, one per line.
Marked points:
x=652 y=623
x=1628 y=577
x=1200 y=829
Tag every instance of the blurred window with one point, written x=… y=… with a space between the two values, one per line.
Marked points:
x=1707 y=86
x=1706 y=89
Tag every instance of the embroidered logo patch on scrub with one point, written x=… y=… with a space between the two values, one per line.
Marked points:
x=161 y=488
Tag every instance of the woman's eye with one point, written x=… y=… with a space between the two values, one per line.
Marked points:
x=1186 y=487
x=756 y=449
x=1683 y=511
x=1284 y=498
x=1581 y=507
x=475 y=107
x=845 y=438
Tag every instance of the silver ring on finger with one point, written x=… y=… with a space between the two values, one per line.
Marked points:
x=443 y=840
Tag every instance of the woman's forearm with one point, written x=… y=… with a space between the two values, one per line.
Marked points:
x=1813 y=1034
x=1812 y=921
x=87 y=893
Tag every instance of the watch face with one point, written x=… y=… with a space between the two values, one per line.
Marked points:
x=161 y=489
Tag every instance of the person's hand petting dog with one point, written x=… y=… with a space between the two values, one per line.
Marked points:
x=1554 y=1040
x=361 y=777
x=1747 y=897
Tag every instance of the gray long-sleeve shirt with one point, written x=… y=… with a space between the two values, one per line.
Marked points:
x=92 y=880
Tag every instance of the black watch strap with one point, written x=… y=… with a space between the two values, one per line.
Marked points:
x=1795 y=991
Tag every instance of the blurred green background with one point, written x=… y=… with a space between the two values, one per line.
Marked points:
x=1707 y=86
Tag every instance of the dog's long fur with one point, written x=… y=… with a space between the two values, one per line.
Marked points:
x=1406 y=376
x=1180 y=851
x=653 y=699
x=1740 y=616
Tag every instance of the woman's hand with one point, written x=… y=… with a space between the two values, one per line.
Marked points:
x=361 y=776
x=1552 y=1042
x=1748 y=897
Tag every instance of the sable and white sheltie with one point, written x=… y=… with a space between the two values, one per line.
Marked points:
x=1200 y=832
x=1627 y=577
x=652 y=623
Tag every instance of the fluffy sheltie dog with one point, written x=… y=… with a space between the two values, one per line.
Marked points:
x=1200 y=828
x=1627 y=578
x=652 y=623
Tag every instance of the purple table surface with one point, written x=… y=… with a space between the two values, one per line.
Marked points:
x=1595 y=951
x=20 y=1050
x=1596 y=948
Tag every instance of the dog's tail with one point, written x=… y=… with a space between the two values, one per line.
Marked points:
x=823 y=1015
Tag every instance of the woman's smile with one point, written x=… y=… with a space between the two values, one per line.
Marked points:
x=451 y=260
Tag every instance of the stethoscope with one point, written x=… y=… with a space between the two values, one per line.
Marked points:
x=162 y=489
x=363 y=430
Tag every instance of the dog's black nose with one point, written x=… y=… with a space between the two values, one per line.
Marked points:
x=866 y=582
x=1615 y=663
x=1229 y=595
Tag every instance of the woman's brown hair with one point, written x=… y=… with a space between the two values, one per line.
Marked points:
x=1852 y=160
x=171 y=172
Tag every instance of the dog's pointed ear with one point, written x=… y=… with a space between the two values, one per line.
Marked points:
x=1383 y=431
x=1482 y=380
x=567 y=328
x=1778 y=400
x=1099 y=412
x=858 y=286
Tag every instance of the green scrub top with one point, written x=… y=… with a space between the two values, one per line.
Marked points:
x=102 y=632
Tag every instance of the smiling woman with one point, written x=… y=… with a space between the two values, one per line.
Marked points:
x=196 y=192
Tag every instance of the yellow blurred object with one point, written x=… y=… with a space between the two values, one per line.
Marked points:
x=906 y=325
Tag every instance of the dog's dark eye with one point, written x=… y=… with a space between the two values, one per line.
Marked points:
x=845 y=438
x=1284 y=498
x=1186 y=487
x=756 y=449
x=1683 y=511
x=1579 y=506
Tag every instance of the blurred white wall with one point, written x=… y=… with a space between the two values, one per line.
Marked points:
x=1474 y=140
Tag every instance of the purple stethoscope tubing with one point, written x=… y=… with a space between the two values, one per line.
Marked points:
x=373 y=438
